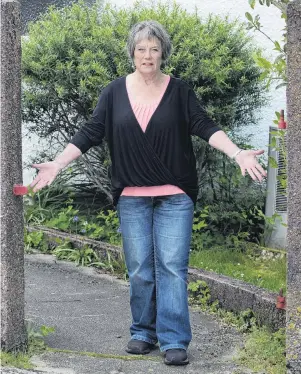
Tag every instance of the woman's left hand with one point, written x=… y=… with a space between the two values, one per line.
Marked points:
x=247 y=161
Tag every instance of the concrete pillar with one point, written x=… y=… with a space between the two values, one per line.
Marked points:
x=13 y=334
x=294 y=188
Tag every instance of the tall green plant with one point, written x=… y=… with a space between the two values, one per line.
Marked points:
x=272 y=70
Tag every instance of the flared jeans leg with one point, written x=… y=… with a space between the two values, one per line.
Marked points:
x=136 y=222
x=172 y=227
x=156 y=234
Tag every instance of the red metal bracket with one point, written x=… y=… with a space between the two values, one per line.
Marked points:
x=282 y=124
x=19 y=189
x=281 y=301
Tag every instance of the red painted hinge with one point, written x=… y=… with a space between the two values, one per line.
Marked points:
x=19 y=189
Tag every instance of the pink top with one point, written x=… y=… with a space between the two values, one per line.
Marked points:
x=143 y=113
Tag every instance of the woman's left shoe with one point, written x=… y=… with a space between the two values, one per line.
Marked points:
x=176 y=357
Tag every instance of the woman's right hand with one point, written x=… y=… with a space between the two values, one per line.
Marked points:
x=47 y=173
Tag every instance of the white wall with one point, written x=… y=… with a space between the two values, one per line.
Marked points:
x=273 y=25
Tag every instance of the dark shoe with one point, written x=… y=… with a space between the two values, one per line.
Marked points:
x=176 y=357
x=139 y=347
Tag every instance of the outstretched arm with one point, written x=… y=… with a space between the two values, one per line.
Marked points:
x=246 y=159
x=202 y=126
x=91 y=134
x=49 y=170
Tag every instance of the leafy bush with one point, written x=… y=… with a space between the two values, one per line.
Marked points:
x=36 y=343
x=42 y=205
x=35 y=239
x=109 y=221
x=72 y=53
x=272 y=71
x=228 y=225
x=104 y=226
x=81 y=256
x=64 y=220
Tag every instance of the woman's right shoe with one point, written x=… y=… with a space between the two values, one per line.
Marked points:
x=139 y=347
x=176 y=357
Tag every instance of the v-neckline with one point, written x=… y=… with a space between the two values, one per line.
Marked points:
x=167 y=88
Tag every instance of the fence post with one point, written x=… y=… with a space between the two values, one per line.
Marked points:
x=294 y=188
x=13 y=332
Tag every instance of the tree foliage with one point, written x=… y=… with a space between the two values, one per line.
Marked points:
x=273 y=71
x=71 y=54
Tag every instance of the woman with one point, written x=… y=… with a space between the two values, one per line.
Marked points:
x=147 y=119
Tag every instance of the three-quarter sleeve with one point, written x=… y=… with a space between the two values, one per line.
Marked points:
x=93 y=131
x=200 y=124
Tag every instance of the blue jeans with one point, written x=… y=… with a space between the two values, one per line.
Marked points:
x=156 y=234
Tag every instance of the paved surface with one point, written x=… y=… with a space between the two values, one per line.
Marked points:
x=90 y=313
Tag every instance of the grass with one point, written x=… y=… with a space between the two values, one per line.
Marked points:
x=106 y=355
x=18 y=360
x=264 y=351
x=259 y=271
x=35 y=345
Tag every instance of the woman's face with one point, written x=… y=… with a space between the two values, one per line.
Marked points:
x=148 y=56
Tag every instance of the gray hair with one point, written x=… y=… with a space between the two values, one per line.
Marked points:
x=149 y=30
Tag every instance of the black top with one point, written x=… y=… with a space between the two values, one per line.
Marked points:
x=163 y=154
